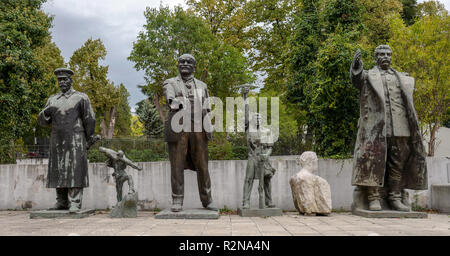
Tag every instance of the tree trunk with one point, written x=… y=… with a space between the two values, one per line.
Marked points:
x=204 y=74
x=103 y=128
x=112 y=122
x=158 y=107
x=432 y=142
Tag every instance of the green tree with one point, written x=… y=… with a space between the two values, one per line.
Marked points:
x=305 y=43
x=122 y=127
x=409 y=12
x=326 y=35
x=24 y=28
x=430 y=8
x=375 y=17
x=168 y=34
x=225 y=18
x=137 y=128
x=269 y=33
x=91 y=78
x=149 y=117
x=422 y=50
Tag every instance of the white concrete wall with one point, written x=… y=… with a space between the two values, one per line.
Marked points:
x=23 y=185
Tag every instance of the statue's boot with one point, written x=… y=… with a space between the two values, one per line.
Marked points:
x=75 y=198
x=395 y=197
x=245 y=205
x=62 y=201
x=398 y=205
x=211 y=207
x=177 y=203
x=374 y=205
x=59 y=206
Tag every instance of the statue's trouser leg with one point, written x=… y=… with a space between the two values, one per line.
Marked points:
x=198 y=148
x=248 y=183
x=261 y=186
x=119 y=186
x=62 y=200
x=397 y=156
x=373 y=194
x=130 y=184
x=268 y=191
x=177 y=157
x=75 y=197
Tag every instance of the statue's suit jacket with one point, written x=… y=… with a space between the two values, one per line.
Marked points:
x=371 y=148
x=174 y=88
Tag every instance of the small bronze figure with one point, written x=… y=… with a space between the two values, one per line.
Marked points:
x=389 y=155
x=118 y=161
x=258 y=165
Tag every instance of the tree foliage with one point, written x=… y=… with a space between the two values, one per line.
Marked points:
x=90 y=77
x=170 y=33
x=422 y=50
x=409 y=12
x=149 y=117
x=24 y=78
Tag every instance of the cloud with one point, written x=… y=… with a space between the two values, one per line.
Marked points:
x=117 y=23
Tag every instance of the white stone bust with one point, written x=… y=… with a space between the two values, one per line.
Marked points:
x=311 y=193
x=309 y=162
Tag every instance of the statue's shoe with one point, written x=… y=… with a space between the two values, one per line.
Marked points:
x=73 y=208
x=398 y=206
x=270 y=206
x=211 y=207
x=245 y=206
x=176 y=208
x=59 y=207
x=375 y=205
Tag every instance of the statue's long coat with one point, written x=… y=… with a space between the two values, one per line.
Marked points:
x=371 y=147
x=73 y=122
x=174 y=88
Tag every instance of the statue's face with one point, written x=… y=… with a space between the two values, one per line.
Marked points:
x=384 y=58
x=186 y=66
x=64 y=83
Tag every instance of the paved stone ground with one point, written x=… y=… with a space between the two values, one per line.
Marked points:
x=291 y=224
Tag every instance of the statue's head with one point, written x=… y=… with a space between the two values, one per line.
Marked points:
x=186 y=65
x=309 y=161
x=383 y=56
x=120 y=154
x=64 y=76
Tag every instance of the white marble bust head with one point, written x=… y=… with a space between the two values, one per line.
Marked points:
x=309 y=161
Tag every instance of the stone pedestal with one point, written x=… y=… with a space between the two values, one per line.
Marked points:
x=389 y=214
x=127 y=208
x=61 y=214
x=188 y=214
x=256 y=212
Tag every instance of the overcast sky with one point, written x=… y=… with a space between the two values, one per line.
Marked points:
x=117 y=23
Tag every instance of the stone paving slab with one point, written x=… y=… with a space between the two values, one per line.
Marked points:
x=18 y=223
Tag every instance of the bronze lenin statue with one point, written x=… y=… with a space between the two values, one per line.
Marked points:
x=188 y=148
x=389 y=155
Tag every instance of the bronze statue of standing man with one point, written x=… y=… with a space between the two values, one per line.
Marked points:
x=70 y=115
x=258 y=165
x=188 y=148
x=389 y=155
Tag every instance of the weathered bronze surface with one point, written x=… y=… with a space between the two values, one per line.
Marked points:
x=258 y=166
x=389 y=155
x=188 y=149
x=119 y=162
x=70 y=115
